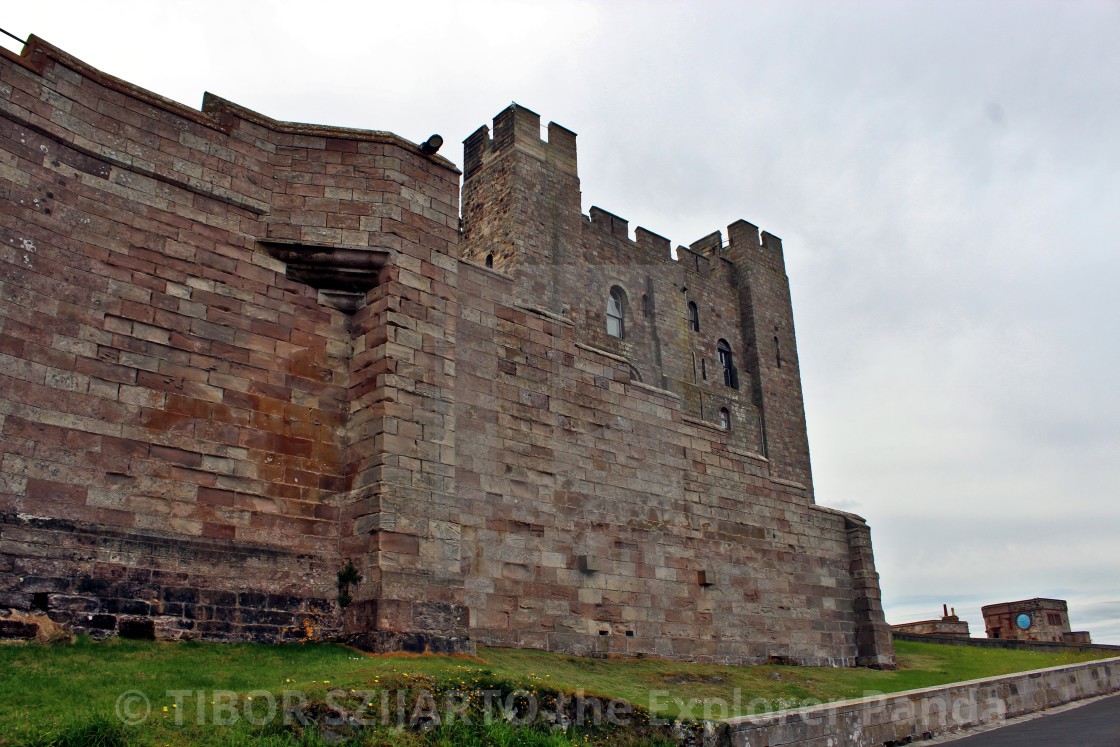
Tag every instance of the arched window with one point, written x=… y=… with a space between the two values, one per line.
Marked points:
x=730 y=375
x=693 y=316
x=616 y=326
x=724 y=419
x=489 y=260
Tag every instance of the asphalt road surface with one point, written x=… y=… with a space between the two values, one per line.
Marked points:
x=1094 y=725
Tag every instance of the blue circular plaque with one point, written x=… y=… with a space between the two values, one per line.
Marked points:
x=1023 y=620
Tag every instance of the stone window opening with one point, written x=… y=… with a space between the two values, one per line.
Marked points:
x=490 y=260
x=616 y=323
x=730 y=375
x=778 y=351
x=693 y=316
x=703 y=369
x=645 y=304
x=724 y=419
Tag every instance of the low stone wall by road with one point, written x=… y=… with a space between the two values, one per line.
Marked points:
x=913 y=715
x=1050 y=647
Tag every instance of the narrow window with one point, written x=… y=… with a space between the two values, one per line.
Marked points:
x=645 y=305
x=778 y=351
x=724 y=419
x=693 y=317
x=730 y=376
x=489 y=260
x=703 y=369
x=615 y=322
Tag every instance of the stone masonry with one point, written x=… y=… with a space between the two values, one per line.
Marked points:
x=949 y=625
x=1036 y=619
x=237 y=355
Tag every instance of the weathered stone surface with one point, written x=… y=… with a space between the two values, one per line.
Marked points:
x=197 y=437
x=680 y=537
x=1032 y=620
x=916 y=715
x=18 y=629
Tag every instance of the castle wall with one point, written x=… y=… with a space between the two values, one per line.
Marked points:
x=175 y=411
x=659 y=342
x=945 y=627
x=597 y=519
x=237 y=354
x=625 y=430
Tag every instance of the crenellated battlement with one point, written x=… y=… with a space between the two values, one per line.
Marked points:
x=610 y=223
x=619 y=228
x=518 y=128
x=652 y=242
x=744 y=242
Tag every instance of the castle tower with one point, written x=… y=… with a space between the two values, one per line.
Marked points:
x=521 y=202
x=766 y=313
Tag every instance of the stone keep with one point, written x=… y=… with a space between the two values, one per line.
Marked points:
x=237 y=355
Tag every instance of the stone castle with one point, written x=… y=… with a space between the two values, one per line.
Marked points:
x=260 y=381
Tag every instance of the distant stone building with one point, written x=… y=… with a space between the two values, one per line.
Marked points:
x=948 y=625
x=1031 y=620
x=260 y=381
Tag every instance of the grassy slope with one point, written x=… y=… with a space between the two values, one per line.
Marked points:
x=772 y=687
x=40 y=686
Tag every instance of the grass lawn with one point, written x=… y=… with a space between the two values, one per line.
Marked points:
x=72 y=694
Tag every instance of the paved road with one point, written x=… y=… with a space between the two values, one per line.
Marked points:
x=1094 y=725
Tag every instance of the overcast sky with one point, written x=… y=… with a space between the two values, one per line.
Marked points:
x=945 y=177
